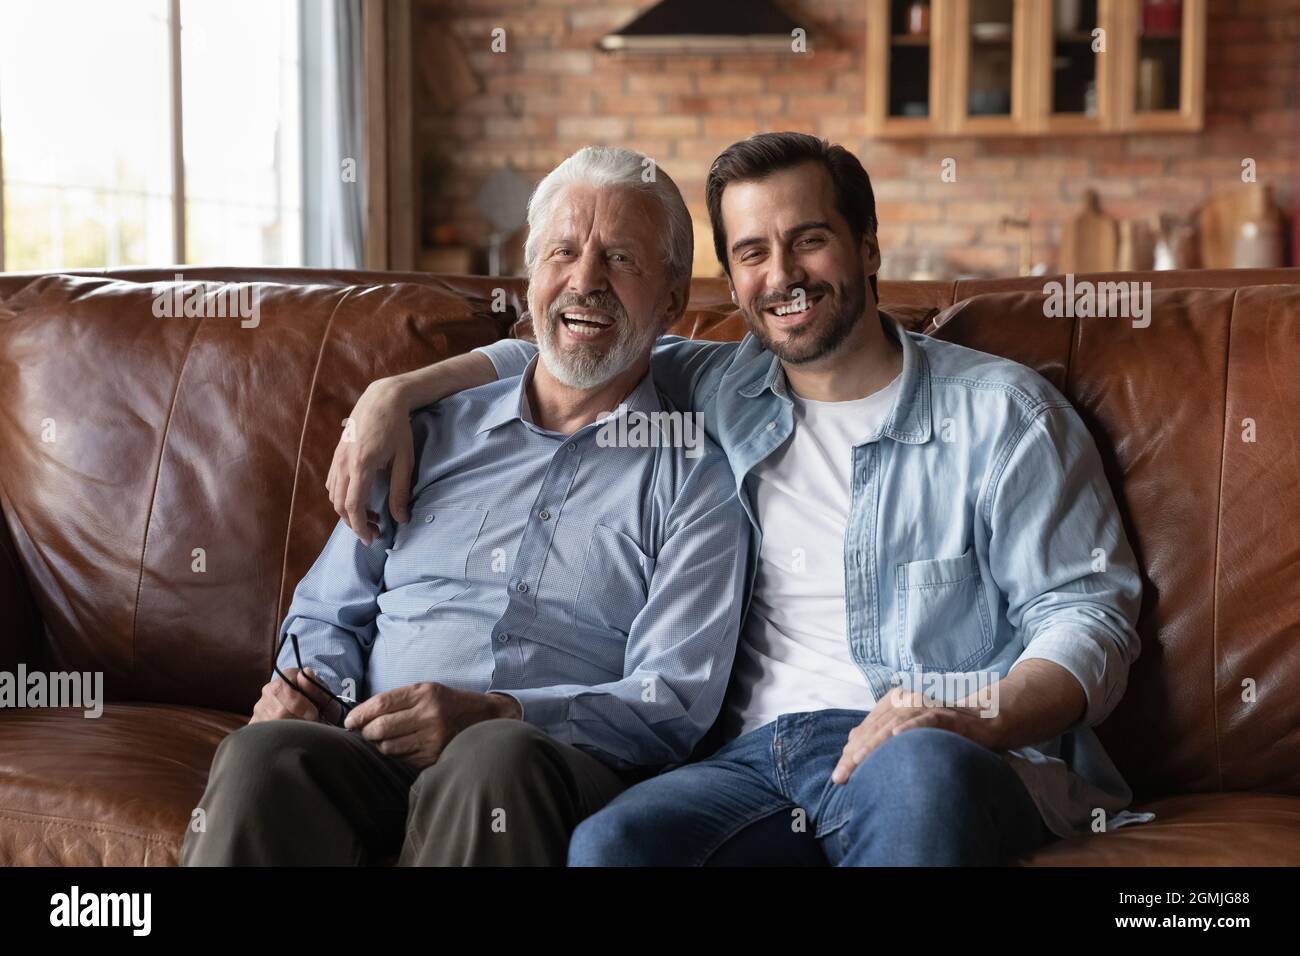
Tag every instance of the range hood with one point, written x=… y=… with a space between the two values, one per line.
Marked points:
x=697 y=26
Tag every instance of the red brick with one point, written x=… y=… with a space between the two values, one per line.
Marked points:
x=617 y=104
x=827 y=105
x=671 y=126
x=799 y=82
x=594 y=129
x=977 y=211
x=558 y=61
x=660 y=83
x=909 y=211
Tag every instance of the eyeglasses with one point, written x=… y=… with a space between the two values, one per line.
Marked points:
x=345 y=703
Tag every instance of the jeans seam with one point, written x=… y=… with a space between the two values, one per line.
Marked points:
x=778 y=759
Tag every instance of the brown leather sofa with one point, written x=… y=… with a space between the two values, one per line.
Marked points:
x=162 y=485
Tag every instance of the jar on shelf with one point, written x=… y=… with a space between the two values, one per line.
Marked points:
x=918 y=19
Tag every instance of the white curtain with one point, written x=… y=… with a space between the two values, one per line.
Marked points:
x=334 y=180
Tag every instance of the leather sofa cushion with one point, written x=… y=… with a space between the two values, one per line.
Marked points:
x=116 y=790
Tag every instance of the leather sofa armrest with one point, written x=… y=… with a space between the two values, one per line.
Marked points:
x=20 y=626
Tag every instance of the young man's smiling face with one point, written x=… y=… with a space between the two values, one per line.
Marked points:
x=798 y=275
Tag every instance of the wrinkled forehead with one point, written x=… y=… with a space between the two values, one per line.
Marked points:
x=611 y=215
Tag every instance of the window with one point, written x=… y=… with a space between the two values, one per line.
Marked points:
x=89 y=140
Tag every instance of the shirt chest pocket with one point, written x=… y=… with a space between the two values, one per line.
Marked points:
x=615 y=583
x=430 y=553
x=943 y=619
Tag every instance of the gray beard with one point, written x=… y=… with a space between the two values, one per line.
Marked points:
x=586 y=369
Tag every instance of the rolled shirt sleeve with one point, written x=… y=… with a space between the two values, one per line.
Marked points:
x=681 y=644
x=508 y=356
x=1059 y=553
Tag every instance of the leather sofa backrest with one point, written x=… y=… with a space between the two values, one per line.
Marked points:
x=1197 y=418
x=175 y=434
x=163 y=478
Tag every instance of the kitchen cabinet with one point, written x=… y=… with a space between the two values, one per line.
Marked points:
x=1034 y=67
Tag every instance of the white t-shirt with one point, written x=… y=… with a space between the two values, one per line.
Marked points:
x=793 y=655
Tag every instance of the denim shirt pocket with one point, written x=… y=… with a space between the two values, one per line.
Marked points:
x=943 y=618
x=615 y=583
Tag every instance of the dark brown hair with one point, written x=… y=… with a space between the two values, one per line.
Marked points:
x=766 y=153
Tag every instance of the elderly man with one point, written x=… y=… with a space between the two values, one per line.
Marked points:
x=557 y=619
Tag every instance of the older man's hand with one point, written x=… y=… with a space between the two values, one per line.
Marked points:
x=279 y=701
x=415 y=723
x=901 y=710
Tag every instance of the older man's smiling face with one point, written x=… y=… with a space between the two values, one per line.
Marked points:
x=599 y=291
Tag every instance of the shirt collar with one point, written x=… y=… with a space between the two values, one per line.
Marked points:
x=513 y=405
x=910 y=417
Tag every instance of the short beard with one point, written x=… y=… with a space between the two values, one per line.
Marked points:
x=812 y=344
x=587 y=367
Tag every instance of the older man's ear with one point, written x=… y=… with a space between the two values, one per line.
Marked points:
x=677 y=302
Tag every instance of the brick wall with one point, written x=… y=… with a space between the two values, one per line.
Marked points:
x=552 y=92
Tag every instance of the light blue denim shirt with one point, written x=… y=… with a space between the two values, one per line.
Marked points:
x=600 y=586
x=982 y=533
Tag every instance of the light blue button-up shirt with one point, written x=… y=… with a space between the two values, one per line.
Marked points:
x=982 y=533
x=600 y=586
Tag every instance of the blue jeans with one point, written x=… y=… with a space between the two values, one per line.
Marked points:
x=927 y=797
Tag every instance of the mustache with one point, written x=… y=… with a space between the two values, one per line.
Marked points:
x=809 y=291
x=597 y=301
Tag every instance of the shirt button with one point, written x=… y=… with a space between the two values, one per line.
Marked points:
x=504 y=638
x=521 y=587
x=428 y=518
x=572 y=447
x=544 y=515
x=771 y=425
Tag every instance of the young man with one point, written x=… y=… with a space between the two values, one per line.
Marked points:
x=923 y=509
x=558 y=617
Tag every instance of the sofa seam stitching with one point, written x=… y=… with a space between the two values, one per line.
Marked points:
x=297 y=464
x=157 y=476
x=1218 y=537
x=1076 y=336
x=64 y=822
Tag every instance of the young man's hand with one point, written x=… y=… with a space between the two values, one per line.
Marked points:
x=379 y=434
x=901 y=710
x=415 y=723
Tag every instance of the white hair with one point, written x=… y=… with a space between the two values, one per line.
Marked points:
x=609 y=167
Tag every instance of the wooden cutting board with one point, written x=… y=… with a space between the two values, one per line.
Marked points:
x=1090 y=240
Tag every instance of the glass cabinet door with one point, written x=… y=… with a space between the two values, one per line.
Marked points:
x=1159 y=56
x=1025 y=67
x=989 y=65
x=903 y=78
x=909 y=59
x=1073 y=75
x=1163 y=64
